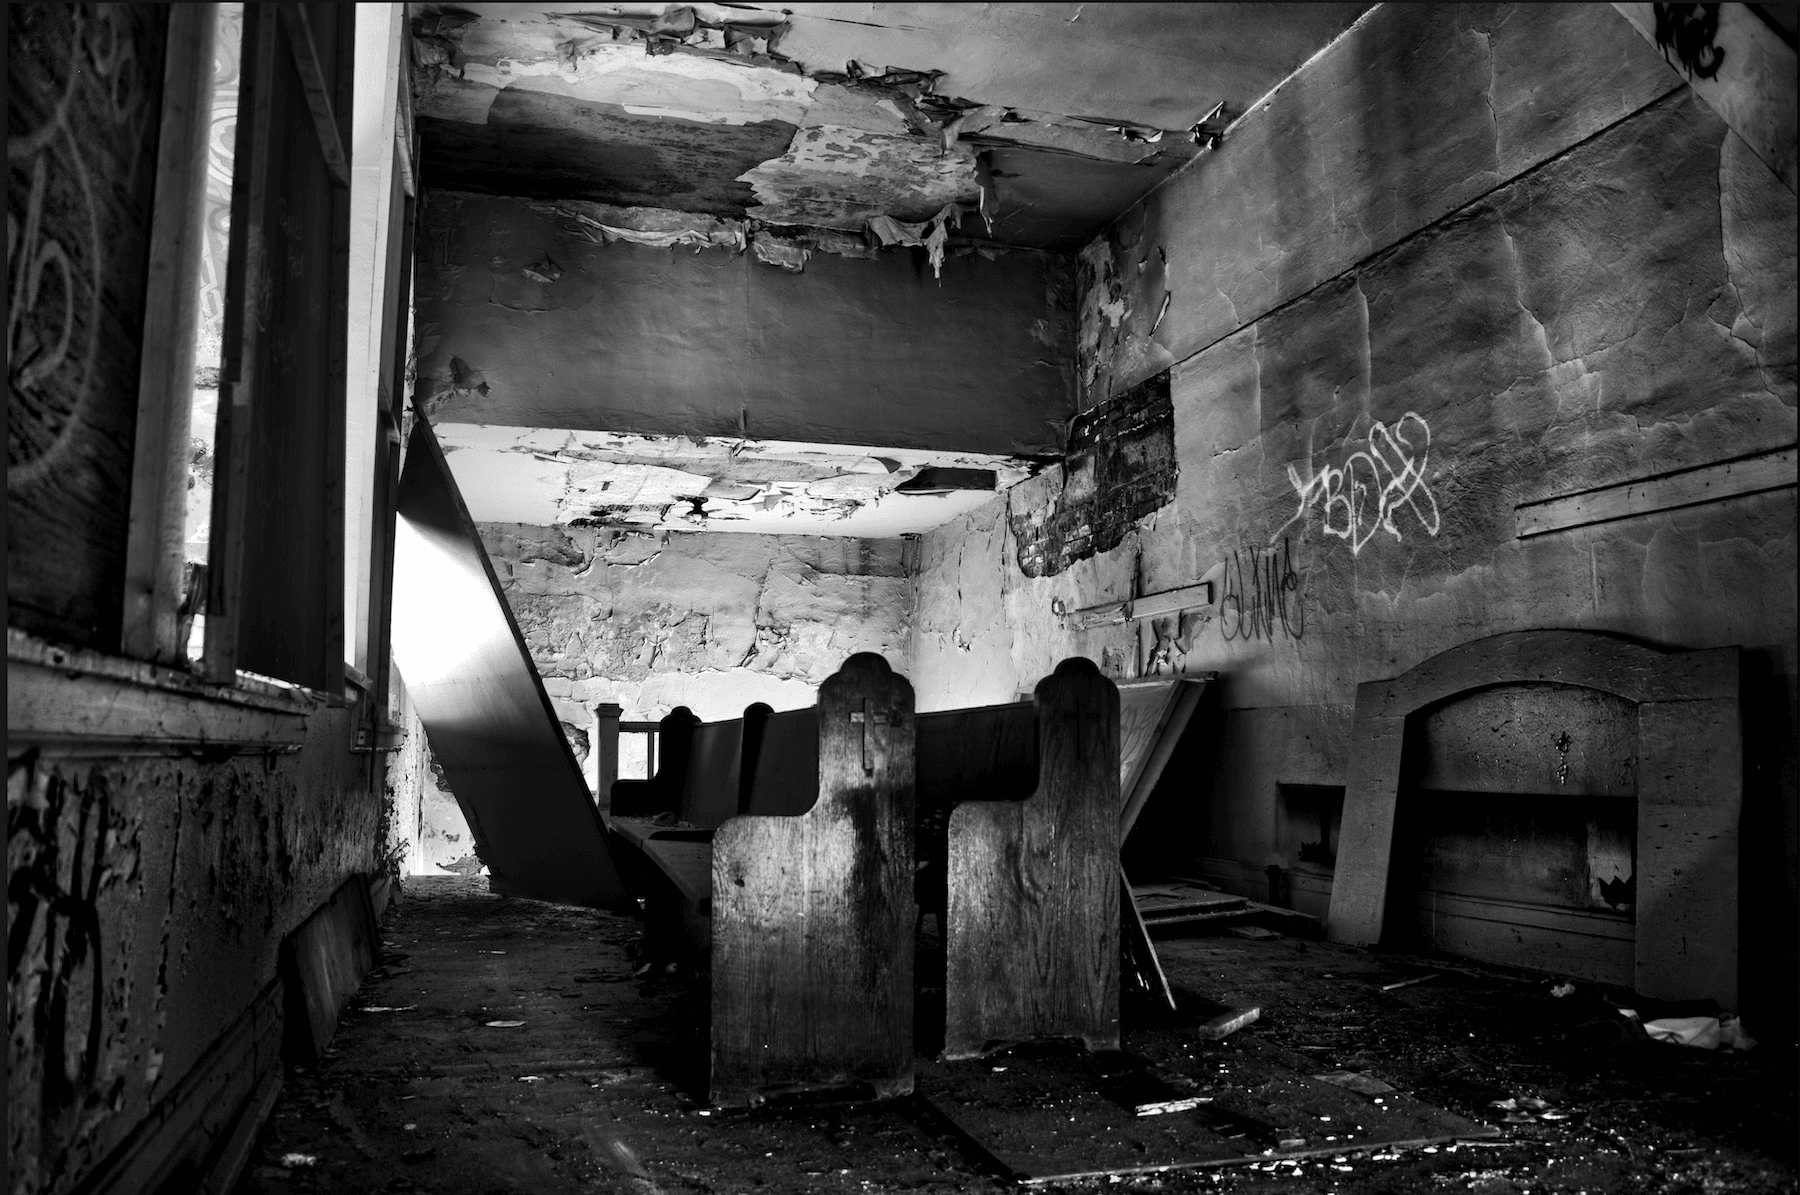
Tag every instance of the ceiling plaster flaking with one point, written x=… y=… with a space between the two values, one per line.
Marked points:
x=558 y=477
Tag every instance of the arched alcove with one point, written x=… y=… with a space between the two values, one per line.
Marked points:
x=1574 y=715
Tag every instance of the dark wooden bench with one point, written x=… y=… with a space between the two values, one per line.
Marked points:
x=661 y=793
x=786 y=857
x=812 y=900
x=668 y=825
x=1027 y=796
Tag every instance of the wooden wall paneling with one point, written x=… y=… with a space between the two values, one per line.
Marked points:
x=290 y=618
x=84 y=111
x=1032 y=935
x=247 y=288
x=154 y=549
x=326 y=99
x=812 y=983
x=323 y=963
x=198 y=1130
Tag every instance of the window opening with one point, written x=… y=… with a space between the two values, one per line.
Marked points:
x=209 y=323
x=637 y=750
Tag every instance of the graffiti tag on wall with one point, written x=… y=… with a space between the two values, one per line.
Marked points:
x=1373 y=487
x=1260 y=595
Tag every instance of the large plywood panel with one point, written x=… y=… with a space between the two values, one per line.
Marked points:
x=483 y=704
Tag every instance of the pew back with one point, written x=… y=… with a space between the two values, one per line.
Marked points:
x=1032 y=923
x=785 y=780
x=988 y=753
x=662 y=792
x=812 y=982
x=715 y=757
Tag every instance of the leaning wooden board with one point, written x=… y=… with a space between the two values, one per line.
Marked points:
x=812 y=983
x=1153 y=715
x=471 y=677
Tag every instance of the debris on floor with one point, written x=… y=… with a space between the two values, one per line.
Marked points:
x=1702 y=1033
x=1335 y=1087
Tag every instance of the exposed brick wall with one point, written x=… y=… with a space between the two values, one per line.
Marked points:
x=1120 y=467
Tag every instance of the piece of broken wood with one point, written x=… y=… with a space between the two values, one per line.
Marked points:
x=1225 y=1024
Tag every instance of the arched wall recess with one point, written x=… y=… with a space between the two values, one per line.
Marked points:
x=1689 y=784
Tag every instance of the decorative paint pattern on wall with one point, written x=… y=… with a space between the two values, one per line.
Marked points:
x=1362 y=496
x=220 y=146
x=84 y=87
x=58 y=245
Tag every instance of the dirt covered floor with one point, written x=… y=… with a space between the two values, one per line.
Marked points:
x=510 y=1046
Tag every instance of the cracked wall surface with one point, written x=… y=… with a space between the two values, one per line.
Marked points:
x=146 y=903
x=630 y=338
x=713 y=621
x=1367 y=386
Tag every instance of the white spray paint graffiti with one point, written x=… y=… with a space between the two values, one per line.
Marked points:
x=1372 y=486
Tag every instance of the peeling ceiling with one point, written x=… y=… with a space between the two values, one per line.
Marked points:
x=1048 y=119
x=557 y=477
x=825 y=127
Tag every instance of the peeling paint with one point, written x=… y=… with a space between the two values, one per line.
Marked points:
x=839 y=178
x=553 y=477
x=713 y=622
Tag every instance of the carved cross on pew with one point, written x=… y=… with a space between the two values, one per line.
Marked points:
x=865 y=717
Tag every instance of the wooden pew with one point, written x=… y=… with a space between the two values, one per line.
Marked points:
x=662 y=792
x=812 y=900
x=1030 y=858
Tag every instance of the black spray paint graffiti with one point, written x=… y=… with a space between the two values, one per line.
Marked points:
x=1372 y=486
x=55 y=932
x=1260 y=597
x=1690 y=30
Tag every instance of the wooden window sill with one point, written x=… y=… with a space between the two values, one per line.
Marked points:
x=85 y=702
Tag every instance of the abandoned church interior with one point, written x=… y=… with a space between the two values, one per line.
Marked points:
x=677 y=597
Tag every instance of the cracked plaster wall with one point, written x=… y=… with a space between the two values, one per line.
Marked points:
x=708 y=620
x=628 y=338
x=1512 y=251
x=174 y=881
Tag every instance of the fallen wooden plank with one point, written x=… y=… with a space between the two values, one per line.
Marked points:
x=1648 y=495
x=1228 y=1023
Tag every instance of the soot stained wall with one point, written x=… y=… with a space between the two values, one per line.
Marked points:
x=659 y=341
x=711 y=621
x=1540 y=265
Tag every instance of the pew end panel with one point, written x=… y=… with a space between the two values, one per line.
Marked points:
x=1032 y=926
x=812 y=984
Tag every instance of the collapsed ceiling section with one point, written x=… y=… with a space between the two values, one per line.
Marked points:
x=557 y=477
x=1046 y=119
